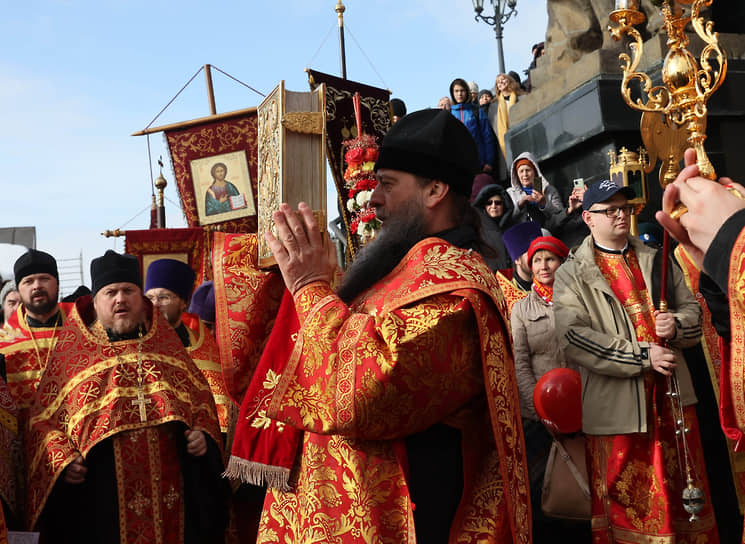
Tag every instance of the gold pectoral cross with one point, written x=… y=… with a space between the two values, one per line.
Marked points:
x=141 y=401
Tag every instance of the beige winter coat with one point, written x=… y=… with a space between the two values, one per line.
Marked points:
x=536 y=347
x=596 y=332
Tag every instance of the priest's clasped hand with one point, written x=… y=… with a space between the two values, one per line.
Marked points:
x=299 y=251
x=75 y=471
x=196 y=444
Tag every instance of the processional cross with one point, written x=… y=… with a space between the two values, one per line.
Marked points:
x=141 y=401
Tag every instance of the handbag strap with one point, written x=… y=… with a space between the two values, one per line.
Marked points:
x=584 y=487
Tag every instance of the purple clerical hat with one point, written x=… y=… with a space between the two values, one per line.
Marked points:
x=518 y=237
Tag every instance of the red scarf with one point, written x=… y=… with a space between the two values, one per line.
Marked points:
x=546 y=292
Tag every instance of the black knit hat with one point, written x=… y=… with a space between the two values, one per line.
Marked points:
x=432 y=144
x=34 y=262
x=114 y=268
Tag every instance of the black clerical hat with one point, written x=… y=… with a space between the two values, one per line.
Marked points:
x=432 y=144
x=114 y=268
x=34 y=262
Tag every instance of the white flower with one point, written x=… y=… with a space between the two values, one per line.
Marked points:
x=351 y=205
x=363 y=197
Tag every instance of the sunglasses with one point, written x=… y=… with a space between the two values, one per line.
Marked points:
x=494 y=203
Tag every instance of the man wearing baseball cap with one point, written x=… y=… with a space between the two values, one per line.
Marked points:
x=124 y=440
x=606 y=321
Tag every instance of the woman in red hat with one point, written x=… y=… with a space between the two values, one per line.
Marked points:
x=537 y=351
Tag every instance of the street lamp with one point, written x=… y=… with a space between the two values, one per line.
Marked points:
x=503 y=10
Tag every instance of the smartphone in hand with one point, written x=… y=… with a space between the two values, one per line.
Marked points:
x=537 y=185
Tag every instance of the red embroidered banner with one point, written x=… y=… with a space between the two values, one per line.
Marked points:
x=246 y=304
x=341 y=126
x=191 y=246
x=215 y=164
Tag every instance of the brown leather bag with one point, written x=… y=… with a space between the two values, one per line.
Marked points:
x=566 y=492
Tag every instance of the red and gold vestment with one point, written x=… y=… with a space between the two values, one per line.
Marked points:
x=710 y=343
x=205 y=354
x=733 y=378
x=511 y=292
x=10 y=449
x=427 y=344
x=637 y=478
x=89 y=393
x=26 y=350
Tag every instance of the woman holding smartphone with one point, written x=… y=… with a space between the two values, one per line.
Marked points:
x=533 y=197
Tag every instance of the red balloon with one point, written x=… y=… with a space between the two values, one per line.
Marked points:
x=557 y=398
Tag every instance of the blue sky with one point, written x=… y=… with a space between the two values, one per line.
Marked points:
x=78 y=77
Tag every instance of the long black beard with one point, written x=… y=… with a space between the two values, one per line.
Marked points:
x=378 y=258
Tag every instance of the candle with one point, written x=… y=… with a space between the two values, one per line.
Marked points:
x=627 y=4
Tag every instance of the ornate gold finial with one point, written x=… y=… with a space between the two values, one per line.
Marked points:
x=112 y=233
x=160 y=184
x=687 y=84
x=339 y=9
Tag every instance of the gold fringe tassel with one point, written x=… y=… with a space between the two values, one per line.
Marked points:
x=251 y=472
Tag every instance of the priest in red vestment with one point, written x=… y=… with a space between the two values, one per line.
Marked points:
x=515 y=282
x=31 y=331
x=124 y=444
x=606 y=321
x=10 y=456
x=26 y=341
x=168 y=285
x=712 y=231
x=397 y=391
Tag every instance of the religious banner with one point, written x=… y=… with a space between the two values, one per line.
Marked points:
x=215 y=164
x=190 y=246
x=246 y=303
x=341 y=126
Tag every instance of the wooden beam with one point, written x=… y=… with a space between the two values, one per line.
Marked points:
x=194 y=122
x=210 y=89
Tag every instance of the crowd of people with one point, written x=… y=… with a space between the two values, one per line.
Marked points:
x=400 y=402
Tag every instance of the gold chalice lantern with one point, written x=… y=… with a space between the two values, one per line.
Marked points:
x=680 y=103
